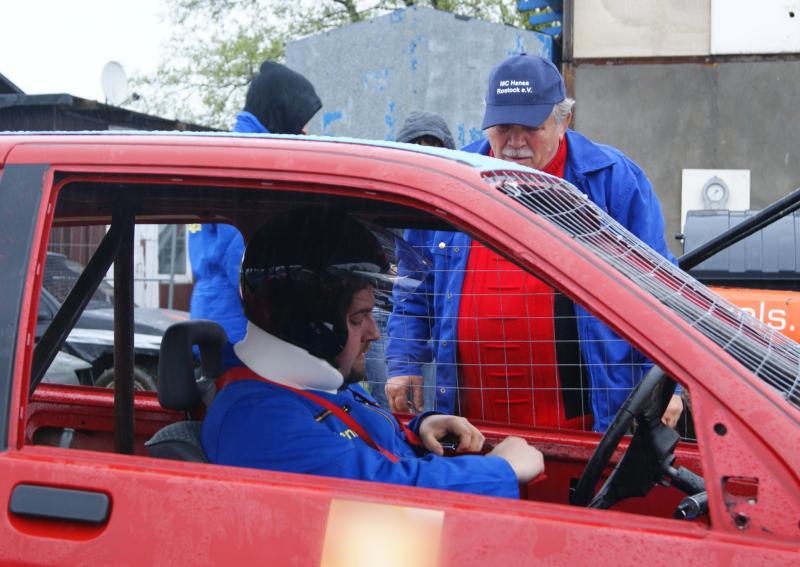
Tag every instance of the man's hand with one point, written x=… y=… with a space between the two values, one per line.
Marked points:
x=397 y=394
x=527 y=461
x=673 y=412
x=434 y=427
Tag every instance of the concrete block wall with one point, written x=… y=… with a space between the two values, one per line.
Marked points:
x=371 y=74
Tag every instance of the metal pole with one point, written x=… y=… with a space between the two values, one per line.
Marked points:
x=172 y=245
x=775 y=211
x=123 y=337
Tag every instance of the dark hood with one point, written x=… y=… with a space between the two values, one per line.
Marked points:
x=282 y=100
x=420 y=124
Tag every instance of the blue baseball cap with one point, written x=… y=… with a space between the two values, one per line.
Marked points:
x=523 y=89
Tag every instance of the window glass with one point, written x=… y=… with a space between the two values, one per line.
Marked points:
x=60 y=275
x=767 y=353
x=86 y=355
x=171 y=249
x=486 y=340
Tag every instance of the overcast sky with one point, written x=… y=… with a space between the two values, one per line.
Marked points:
x=61 y=46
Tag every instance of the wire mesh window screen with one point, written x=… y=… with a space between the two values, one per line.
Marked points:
x=768 y=354
x=484 y=339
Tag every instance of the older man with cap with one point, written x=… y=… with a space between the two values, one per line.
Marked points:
x=578 y=370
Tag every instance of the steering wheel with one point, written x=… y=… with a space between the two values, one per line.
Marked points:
x=649 y=456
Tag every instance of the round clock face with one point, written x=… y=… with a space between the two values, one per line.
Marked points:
x=715 y=192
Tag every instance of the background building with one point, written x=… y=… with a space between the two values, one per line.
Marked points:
x=160 y=281
x=709 y=85
x=692 y=90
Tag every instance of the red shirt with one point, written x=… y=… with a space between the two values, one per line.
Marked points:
x=508 y=369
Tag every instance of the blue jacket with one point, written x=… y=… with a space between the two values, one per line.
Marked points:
x=616 y=185
x=262 y=425
x=215 y=252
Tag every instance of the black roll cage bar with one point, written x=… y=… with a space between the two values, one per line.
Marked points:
x=116 y=248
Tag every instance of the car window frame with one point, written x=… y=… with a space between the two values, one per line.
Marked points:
x=21 y=190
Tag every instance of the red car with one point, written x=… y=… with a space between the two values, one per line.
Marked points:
x=77 y=482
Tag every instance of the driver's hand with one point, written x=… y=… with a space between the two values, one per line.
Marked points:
x=434 y=427
x=397 y=389
x=527 y=461
x=674 y=411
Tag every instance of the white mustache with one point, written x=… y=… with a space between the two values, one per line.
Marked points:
x=517 y=154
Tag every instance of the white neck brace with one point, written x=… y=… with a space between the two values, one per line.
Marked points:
x=284 y=363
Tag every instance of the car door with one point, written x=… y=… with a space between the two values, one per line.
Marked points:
x=71 y=497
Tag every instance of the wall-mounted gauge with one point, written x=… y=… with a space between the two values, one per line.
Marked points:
x=715 y=193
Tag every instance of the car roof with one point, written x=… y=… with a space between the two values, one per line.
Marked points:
x=476 y=161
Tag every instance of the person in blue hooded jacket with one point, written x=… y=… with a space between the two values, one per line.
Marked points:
x=280 y=101
x=526 y=121
x=308 y=282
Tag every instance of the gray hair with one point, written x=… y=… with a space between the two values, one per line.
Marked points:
x=562 y=109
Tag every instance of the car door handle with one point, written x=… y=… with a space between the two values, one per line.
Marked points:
x=59 y=503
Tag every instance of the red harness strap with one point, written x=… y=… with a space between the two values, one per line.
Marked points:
x=242 y=373
x=411 y=437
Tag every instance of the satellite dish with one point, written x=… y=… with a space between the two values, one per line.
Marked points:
x=115 y=83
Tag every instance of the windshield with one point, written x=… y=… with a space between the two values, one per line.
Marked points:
x=768 y=354
x=60 y=275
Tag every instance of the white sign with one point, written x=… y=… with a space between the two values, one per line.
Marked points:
x=744 y=26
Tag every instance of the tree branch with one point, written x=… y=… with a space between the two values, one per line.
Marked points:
x=352 y=11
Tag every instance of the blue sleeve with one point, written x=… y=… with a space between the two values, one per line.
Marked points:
x=232 y=257
x=409 y=327
x=638 y=209
x=414 y=424
x=290 y=440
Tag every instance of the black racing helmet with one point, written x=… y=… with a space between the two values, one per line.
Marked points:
x=301 y=270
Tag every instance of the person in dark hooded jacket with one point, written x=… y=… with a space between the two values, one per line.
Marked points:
x=426 y=129
x=279 y=101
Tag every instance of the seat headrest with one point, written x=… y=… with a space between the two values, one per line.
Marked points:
x=178 y=386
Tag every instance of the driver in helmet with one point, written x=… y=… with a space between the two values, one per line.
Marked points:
x=308 y=282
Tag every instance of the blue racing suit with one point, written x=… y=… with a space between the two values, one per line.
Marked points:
x=263 y=425
x=615 y=184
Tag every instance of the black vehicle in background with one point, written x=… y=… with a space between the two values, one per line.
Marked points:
x=92 y=338
x=768 y=258
x=68 y=369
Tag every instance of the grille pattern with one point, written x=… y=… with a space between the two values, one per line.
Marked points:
x=768 y=354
